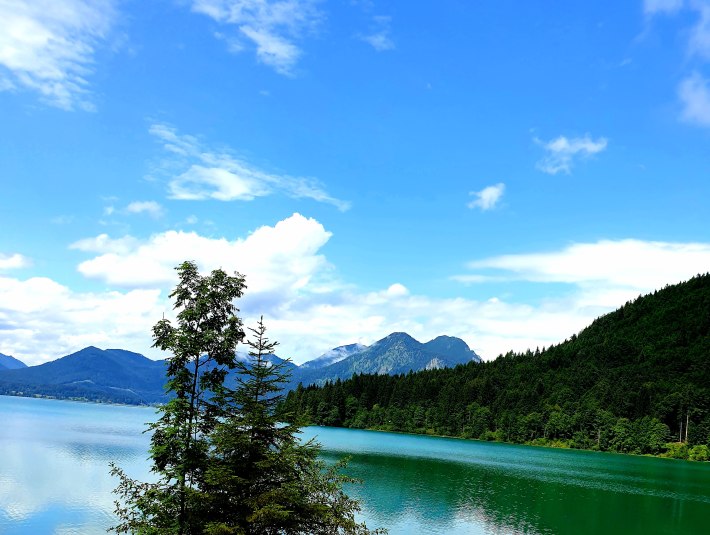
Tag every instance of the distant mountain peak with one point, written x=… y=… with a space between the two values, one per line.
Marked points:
x=397 y=352
x=396 y=337
x=453 y=346
x=334 y=355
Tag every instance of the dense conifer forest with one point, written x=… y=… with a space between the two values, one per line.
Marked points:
x=636 y=380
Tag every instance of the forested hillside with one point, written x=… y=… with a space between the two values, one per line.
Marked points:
x=633 y=381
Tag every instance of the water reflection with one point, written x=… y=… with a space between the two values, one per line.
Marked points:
x=54 y=474
x=54 y=479
x=519 y=489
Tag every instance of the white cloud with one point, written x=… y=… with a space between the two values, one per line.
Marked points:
x=13 y=261
x=273 y=50
x=103 y=243
x=238 y=183
x=151 y=208
x=380 y=35
x=211 y=174
x=48 y=46
x=273 y=26
x=651 y=7
x=562 y=153
x=635 y=265
x=694 y=95
x=282 y=258
x=693 y=91
x=487 y=198
x=397 y=290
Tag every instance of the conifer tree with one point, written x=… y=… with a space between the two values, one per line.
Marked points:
x=262 y=479
x=225 y=463
x=203 y=349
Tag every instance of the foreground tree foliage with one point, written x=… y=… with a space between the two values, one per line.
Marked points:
x=224 y=463
x=635 y=381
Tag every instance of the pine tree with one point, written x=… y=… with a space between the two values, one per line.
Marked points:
x=225 y=463
x=262 y=479
x=203 y=349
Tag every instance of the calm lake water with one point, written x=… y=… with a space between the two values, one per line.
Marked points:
x=54 y=478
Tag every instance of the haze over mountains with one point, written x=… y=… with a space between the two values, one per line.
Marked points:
x=119 y=376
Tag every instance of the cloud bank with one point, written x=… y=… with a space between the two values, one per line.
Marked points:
x=310 y=310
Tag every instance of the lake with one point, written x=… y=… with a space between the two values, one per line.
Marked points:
x=54 y=478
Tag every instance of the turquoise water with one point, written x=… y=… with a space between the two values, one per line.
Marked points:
x=54 y=478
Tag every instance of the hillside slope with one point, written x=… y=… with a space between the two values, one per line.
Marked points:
x=93 y=374
x=631 y=381
x=10 y=363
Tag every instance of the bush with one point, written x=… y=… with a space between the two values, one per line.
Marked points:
x=676 y=450
x=699 y=453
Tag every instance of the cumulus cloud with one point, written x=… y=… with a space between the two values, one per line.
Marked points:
x=379 y=36
x=150 y=208
x=272 y=26
x=48 y=46
x=200 y=173
x=487 y=198
x=562 y=153
x=13 y=261
x=694 y=95
x=279 y=258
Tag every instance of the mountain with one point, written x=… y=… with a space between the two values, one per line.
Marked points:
x=394 y=354
x=119 y=376
x=94 y=374
x=633 y=381
x=332 y=356
x=10 y=363
x=454 y=348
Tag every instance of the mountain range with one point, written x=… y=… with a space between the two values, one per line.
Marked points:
x=119 y=376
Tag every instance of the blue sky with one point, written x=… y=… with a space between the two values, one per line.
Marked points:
x=500 y=172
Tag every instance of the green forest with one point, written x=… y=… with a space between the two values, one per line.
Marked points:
x=636 y=380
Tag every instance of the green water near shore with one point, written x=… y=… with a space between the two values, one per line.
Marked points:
x=54 y=478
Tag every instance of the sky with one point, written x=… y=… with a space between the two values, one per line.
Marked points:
x=502 y=171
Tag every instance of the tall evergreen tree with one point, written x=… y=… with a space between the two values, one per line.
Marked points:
x=262 y=479
x=225 y=464
x=203 y=349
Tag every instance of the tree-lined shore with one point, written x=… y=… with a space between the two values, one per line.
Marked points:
x=636 y=380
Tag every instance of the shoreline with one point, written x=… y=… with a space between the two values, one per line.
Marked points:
x=528 y=444
x=434 y=435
